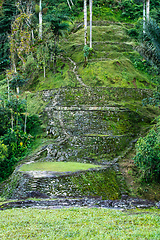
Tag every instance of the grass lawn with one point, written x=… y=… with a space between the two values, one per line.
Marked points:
x=57 y=166
x=79 y=223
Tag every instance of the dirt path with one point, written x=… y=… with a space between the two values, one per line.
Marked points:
x=76 y=74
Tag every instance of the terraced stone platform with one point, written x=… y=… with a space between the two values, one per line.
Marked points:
x=93 y=124
x=89 y=125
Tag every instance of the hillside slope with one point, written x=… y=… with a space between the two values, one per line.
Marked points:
x=113 y=61
x=90 y=114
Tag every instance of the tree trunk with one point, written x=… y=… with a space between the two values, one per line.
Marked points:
x=12 y=120
x=25 y=120
x=69 y=4
x=8 y=90
x=147 y=10
x=55 y=59
x=44 y=71
x=32 y=36
x=14 y=65
x=17 y=116
x=17 y=89
x=40 y=19
x=90 y=6
x=144 y=16
x=85 y=22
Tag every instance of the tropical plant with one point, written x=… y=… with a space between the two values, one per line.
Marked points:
x=17 y=81
x=12 y=145
x=153 y=39
x=147 y=156
x=7 y=12
x=58 y=26
x=149 y=47
x=3 y=151
x=17 y=132
x=87 y=53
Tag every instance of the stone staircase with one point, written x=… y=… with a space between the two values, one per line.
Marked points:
x=94 y=125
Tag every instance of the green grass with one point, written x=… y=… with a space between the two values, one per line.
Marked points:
x=118 y=72
x=111 y=43
x=57 y=166
x=79 y=223
x=35 y=104
x=110 y=63
x=66 y=78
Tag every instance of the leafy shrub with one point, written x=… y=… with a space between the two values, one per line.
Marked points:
x=17 y=142
x=14 y=141
x=17 y=81
x=133 y=32
x=3 y=151
x=150 y=42
x=7 y=167
x=31 y=69
x=87 y=51
x=33 y=124
x=12 y=146
x=4 y=120
x=130 y=10
x=148 y=155
x=154 y=101
x=12 y=111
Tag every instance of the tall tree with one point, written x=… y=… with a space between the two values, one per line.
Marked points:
x=40 y=19
x=19 y=40
x=90 y=6
x=85 y=22
x=144 y=16
x=58 y=26
x=69 y=4
x=7 y=12
x=153 y=41
x=147 y=9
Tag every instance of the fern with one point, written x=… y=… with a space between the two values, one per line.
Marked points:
x=152 y=41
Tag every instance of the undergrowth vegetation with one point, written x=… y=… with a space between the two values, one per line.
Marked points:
x=148 y=155
x=17 y=130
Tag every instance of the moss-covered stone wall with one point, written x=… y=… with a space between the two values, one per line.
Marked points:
x=105 y=183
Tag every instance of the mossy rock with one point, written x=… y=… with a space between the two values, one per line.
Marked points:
x=105 y=183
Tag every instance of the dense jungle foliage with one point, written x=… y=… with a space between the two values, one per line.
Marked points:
x=53 y=14
x=17 y=132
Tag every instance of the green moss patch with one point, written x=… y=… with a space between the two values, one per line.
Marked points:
x=57 y=166
x=98 y=183
x=104 y=182
x=119 y=72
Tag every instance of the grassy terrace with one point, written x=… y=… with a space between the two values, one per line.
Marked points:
x=57 y=166
x=112 y=63
x=79 y=223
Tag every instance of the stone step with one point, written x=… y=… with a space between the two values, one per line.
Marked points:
x=85 y=108
x=100 y=96
x=125 y=203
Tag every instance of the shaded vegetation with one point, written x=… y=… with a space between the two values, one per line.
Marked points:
x=16 y=132
x=148 y=155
